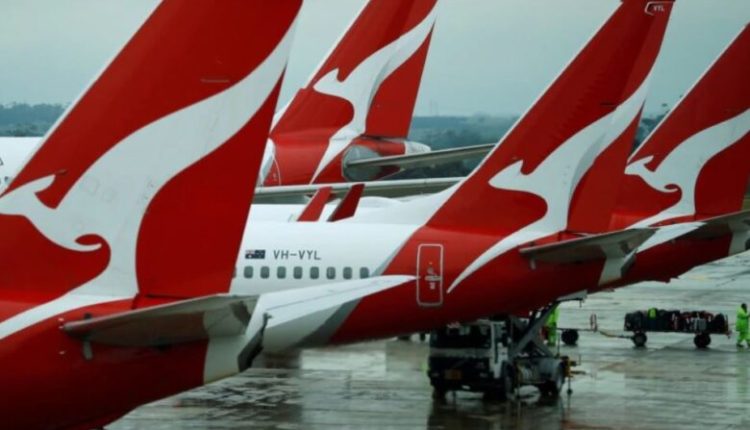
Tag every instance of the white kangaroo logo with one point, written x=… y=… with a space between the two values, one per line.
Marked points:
x=361 y=85
x=110 y=198
x=556 y=178
x=681 y=167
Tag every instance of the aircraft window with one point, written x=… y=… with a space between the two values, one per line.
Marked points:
x=331 y=273
x=248 y=272
x=364 y=272
x=281 y=272
x=265 y=272
x=347 y=273
x=314 y=272
x=297 y=272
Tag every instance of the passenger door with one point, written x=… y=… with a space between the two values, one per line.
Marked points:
x=430 y=275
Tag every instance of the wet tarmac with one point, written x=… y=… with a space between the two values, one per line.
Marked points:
x=382 y=385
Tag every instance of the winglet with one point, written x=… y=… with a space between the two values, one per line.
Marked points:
x=349 y=203
x=315 y=206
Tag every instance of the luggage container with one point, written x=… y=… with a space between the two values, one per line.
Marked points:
x=699 y=323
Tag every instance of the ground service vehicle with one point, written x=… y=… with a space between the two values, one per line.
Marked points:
x=495 y=357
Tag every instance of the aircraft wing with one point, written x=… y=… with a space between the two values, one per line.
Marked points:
x=595 y=247
x=173 y=323
x=411 y=161
x=397 y=188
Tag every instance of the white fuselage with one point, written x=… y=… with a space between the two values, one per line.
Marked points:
x=14 y=151
x=281 y=255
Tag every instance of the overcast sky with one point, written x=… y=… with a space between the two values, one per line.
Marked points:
x=487 y=56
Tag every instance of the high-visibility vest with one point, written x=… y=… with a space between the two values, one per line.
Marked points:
x=741 y=324
x=552 y=318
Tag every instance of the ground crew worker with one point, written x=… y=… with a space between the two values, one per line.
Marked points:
x=551 y=326
x=742 y=326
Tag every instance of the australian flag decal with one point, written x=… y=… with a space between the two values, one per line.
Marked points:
x=255 y=254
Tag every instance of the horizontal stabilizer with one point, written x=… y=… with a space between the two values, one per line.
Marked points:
x=722 y=225
x=291 y=304
x=169 y=324
x=392 y=189
x=426 y=159
x=595 y=247
x=309 y=316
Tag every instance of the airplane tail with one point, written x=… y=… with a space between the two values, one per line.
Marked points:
x=145 y=183
x=696 y=163
x=367 y=85
x=584 y=118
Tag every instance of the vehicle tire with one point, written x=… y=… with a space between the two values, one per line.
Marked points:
x=507 y=386
x=493 y=394
x=405 y=338
x=702 y=340
x=639 y=339
x=438 y=392
x=570 y=337
x=554 y=387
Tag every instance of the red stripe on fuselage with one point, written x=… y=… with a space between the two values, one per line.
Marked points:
x=506 y=285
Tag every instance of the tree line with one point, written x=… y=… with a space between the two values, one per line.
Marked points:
x=23 y=119
x=438 y=132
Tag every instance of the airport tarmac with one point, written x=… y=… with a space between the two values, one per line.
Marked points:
x=382 y=385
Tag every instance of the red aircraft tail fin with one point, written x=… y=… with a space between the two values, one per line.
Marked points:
x=367 y=85
x=595 y=197
x=533 y=173
x=123 y=192
x=697 y=161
